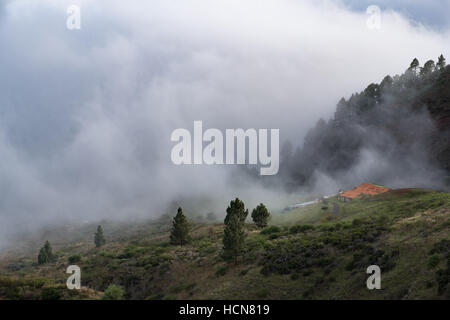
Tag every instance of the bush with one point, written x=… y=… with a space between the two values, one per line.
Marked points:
x=443 y=280
x=271 y=230
x=263 y=293
x=74 y=259
x=51 y=293
x=113 y=292
x=244 y=272
x=221 y=271
x=442 y=246
x=16 y=266
x=206 y=247
x=300 y=228
x=289 y=256
x=433 y=260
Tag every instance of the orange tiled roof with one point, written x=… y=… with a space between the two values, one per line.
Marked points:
x=363 y=188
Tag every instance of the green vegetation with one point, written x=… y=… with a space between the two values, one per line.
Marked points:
x=318 y=251
x=415 y=101
x=433 y=260
x=234 y=235
x=74 y=259
x=260 y=215
x=237 y=208
x=113 y=292
x=271 y=230
x=180 y=229
x=441 y=62
x=99 y=238
x=299 y=256
x=46 y=254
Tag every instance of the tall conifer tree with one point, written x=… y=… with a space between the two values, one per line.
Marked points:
x=46 y=254
x=234 y=235
x=180 y=229
x=99 y=238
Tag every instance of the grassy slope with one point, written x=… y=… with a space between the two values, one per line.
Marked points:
x=396 y=230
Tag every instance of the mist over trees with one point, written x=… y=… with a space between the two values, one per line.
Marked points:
x=395 y=132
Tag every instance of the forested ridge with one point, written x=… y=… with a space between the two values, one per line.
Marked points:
x=405 y=118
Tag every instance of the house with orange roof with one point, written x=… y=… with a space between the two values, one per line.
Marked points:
x=362 y=189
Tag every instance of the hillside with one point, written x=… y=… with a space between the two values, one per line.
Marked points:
x=319 y=251
x=393 y=132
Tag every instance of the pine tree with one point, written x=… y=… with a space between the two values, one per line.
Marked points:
x=260 y=215
x=46 y=254
x=180 y=229
x=233 y=238
x=237 y=207
x=99 y=238
x=441 y=62
x=428 y=68
x=414 y=65
x=386 y=82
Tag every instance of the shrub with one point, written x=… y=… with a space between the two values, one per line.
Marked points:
x=244 y=272
x=271 y=230
x=113 y=292
x=74 y=259
x=221 y=271
x=263 y=293
x=443 y=279
x=16 y=266
x=255 y=242
x=273 y=236
x=51 y=293
x=206 y=247
x=288 y=256
x=300 y=228
x=442 y=246
x=433 y=260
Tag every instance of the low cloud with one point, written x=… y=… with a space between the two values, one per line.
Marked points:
x=86 y=115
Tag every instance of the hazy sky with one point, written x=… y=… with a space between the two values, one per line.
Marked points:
x=86 y=115
x=431 y=13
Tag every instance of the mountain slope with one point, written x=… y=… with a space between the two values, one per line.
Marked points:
x=315 y=252
x=396 y=133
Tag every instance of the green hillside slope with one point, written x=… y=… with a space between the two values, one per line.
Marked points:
x=317 y=252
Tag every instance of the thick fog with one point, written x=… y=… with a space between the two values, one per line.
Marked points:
x=86 y=115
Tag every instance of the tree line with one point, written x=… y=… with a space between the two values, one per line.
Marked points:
x=234 y=234
x=233 y=238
